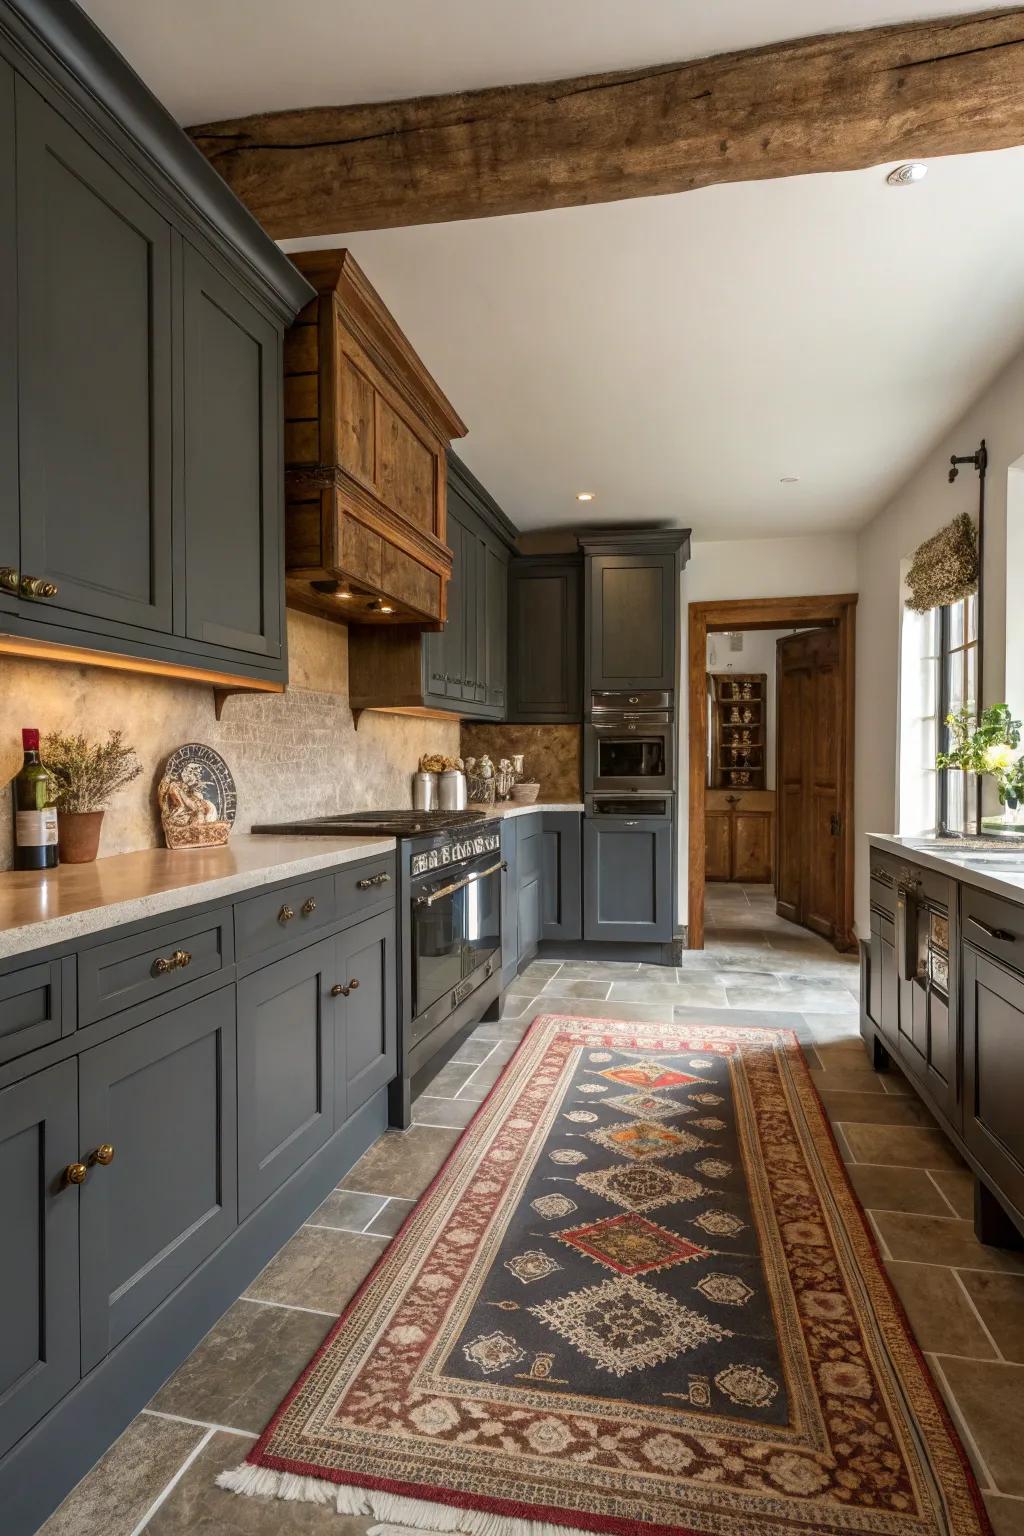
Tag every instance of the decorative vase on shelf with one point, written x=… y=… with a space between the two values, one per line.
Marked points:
x=1013 y=815
x=78 y=836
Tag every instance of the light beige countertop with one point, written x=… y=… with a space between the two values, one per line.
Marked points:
x=55 y=906
x=996 y=870
x=509 y=808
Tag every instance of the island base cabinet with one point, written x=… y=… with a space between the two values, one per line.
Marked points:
x=367 y=1034
x=286 y=1042
x=163 y=1096
x=993 y=1040
x=39 y=1340
x=627 y=883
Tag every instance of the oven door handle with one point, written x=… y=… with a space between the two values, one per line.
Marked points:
x=460 y=885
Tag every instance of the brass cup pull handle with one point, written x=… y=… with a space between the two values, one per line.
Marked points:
x=339 y=991
x=8 y=578
x=37 y=586
x=308 y=906
x=74 y=1173
x=286 y=914
x=103 y=1155
x=176 y=962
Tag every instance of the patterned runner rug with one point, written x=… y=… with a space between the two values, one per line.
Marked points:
x=639 y=1298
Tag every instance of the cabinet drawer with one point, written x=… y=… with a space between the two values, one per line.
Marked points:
x=33 y=1008
x=994 y=925
x=119 y=974
x=361 y=887
x=884 y=879
x=282 y=919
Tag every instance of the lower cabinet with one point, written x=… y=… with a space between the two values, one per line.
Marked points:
x=39 y=1340
x=509 y=902
x=883 y=992
x=286 y=1046
x=993 y=1043
x=529 y=887
x=740 y=836
x=366 y=1039
x=627 y=885
x=162 y=1096
x=561 y=876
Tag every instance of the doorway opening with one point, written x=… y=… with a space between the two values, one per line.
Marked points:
x=771 y=711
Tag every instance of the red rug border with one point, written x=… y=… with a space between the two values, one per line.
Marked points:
x=600 y=1524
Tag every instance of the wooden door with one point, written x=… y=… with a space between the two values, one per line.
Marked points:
x=95 y=380
x=39 y=1355
x=810 y=710
x=632 y=621
x=10 y=546
x=285 y=1069
x=163 y=1095
x=233 y=486
x=366 y=1049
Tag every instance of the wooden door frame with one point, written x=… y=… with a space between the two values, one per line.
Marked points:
x=767 y=613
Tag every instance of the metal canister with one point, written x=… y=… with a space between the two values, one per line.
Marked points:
x=451 y=790
x=424 y=791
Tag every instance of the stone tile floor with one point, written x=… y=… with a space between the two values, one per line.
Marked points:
x=965 y=1301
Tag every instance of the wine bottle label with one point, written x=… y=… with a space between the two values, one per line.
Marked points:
x=36 y=829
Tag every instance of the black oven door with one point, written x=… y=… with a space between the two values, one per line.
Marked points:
x=456 y=937
x=631 y=753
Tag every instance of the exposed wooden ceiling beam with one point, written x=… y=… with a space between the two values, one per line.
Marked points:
x=833 y=103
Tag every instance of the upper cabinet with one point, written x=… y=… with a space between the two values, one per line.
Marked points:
x=544 y=640
x=632 y=607
x=366 y=433
x=142 y=315
x=462 y=668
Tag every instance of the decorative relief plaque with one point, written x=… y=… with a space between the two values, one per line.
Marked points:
x=197 y=798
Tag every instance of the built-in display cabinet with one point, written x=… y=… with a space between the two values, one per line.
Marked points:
x=176 y=1097
x=141 y=324
x=943 y=994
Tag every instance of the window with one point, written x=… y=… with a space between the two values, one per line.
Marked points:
x=958 y=794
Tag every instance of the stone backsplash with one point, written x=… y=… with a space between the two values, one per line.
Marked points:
x=291 y=754
x=552 y=753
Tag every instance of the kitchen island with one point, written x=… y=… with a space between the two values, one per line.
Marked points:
x=942 y=994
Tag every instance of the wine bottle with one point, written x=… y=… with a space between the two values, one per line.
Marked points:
x=35 y=815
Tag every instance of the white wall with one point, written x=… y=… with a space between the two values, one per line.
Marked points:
x=810 y=566
x=926 y=502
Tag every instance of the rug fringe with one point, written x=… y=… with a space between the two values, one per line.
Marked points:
x=399 y=1516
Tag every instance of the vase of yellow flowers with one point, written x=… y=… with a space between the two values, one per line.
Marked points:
x=992 y=746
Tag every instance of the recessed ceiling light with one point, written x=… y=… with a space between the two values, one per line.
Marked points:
x=906 y=175
x=584 y=495
x=789 y=479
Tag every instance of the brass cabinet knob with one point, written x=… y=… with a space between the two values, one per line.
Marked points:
x=75 y=1173
x=338 y=990
x=286 y=914
x=176 y=962
x=8 y=578
x=381 y=879
x=104 y=1155
x=353 y=984
x=36 y=586
x=308 y=906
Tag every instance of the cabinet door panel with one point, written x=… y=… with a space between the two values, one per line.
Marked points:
x=718 y=845
x=495 y=658
x=632 y=623
x=10 y=556
x=454 y=649
x=561 y=914
x=544 y=654
x=164 y=1095
x=233 y=491
x=285 y=1070
x=752 y=847
x=993 y=1027
x=39 y=1345
x=95 y=378
x=367 y=1049
x=628 y=880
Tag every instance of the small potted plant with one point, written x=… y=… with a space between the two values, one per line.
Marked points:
x=991 y=746
x=86 y=776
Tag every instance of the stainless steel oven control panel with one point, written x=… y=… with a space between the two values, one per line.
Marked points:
x=454 y=852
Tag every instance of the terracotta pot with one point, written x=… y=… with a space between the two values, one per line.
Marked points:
x=78 y=836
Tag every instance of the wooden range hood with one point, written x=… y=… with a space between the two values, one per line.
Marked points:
x=366 y=432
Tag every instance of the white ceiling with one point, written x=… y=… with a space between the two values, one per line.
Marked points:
x=675 y=355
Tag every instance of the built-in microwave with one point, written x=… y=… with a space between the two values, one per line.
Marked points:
x=631 y=747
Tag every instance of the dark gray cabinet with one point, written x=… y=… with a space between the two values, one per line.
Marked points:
x=529 y=885
x=233 y=542
x=39 y=1340
x=561 y=876
x=627 y=888
x=545 y=640
x=367 y=1018
x=544 y=896
x=632 y=607
x=993 y=1032
x=35 y=1008
x=10 y=541
x=163 y=1095
x=95 y=385
x=510 y=900
x=286 y=1046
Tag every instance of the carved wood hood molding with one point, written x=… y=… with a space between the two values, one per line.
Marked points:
x=366 y=431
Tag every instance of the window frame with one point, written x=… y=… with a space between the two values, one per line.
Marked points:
x=970 y=789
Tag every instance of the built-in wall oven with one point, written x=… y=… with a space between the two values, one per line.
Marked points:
x=629 y=742
x=453 y=921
